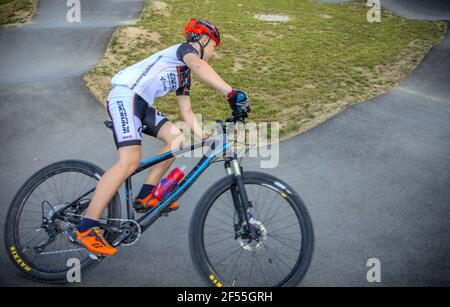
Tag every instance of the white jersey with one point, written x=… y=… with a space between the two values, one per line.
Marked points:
x=159 y=74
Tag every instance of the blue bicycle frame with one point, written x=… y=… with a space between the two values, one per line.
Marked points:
x=218 y=145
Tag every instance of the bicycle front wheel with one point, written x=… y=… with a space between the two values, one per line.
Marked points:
x=279 y=257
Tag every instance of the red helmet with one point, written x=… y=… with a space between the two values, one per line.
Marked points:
x=196 y=27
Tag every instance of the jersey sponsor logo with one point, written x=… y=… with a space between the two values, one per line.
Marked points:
x=173 y=81
x=123 y=117
x=169 y=82
x=184 y=75
x=164 y=82
x=145 y=72
x=158 y=117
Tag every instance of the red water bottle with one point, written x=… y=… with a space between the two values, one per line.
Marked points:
x=168 y=183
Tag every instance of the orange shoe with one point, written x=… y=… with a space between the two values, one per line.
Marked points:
x=142 y=205
x=93 y=240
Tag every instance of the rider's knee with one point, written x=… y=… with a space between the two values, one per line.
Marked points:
x=127 y=166
x=129 y=161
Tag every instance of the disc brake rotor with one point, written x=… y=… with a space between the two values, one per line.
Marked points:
x=253 y=245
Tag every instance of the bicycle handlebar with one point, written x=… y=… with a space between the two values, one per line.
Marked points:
x=222 y=126
x=234 y=119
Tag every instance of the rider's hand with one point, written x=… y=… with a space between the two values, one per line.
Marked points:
x=239 y=103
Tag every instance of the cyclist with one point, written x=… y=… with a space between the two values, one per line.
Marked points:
x=129 y=105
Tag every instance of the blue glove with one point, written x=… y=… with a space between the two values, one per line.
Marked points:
x=239 y=103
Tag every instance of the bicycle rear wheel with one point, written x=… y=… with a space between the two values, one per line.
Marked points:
x=223 y=256
x=38 y=223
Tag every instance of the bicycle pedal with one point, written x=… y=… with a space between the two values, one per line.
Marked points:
x=142 y=210
x=145 y=209
x=95 y=257
x=166 y=212
x=74 y=241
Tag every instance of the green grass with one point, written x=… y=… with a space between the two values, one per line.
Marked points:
x=5 y=1
x=299 y=72
x=16 y=12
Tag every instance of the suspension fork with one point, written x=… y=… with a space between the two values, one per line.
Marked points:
x=239 y=194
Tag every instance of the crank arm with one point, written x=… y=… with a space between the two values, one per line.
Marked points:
x=122 y=237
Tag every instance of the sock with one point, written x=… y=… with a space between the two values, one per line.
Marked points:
x=145 y=191
x=86 y=224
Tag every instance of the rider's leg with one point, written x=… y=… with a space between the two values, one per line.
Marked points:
x=173 y=138
x=125 y=111
x=87 y=233
x=110 y=182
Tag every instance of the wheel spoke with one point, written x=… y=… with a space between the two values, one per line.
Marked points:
x=54 y=190
x=285 y=244
x=230 y=254
x=219 y=241
x=248 y=264
x=274 y=254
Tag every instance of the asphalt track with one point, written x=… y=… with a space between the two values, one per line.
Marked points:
x=375 y=177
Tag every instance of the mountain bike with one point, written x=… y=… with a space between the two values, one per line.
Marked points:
x=248 y=229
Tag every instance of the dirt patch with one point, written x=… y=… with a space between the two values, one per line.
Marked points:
x=17 y=12
x=126 y=36
x=309 y=86
x=273 y=18
x=161 y=8
x=99 y=86
x=269 y=35
x=154 y=36
x=217 y=55
x=230 y=37
x=325 y=16
x=237 y=66
x=124 y=49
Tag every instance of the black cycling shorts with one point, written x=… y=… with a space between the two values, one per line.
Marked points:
x=129 y=113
